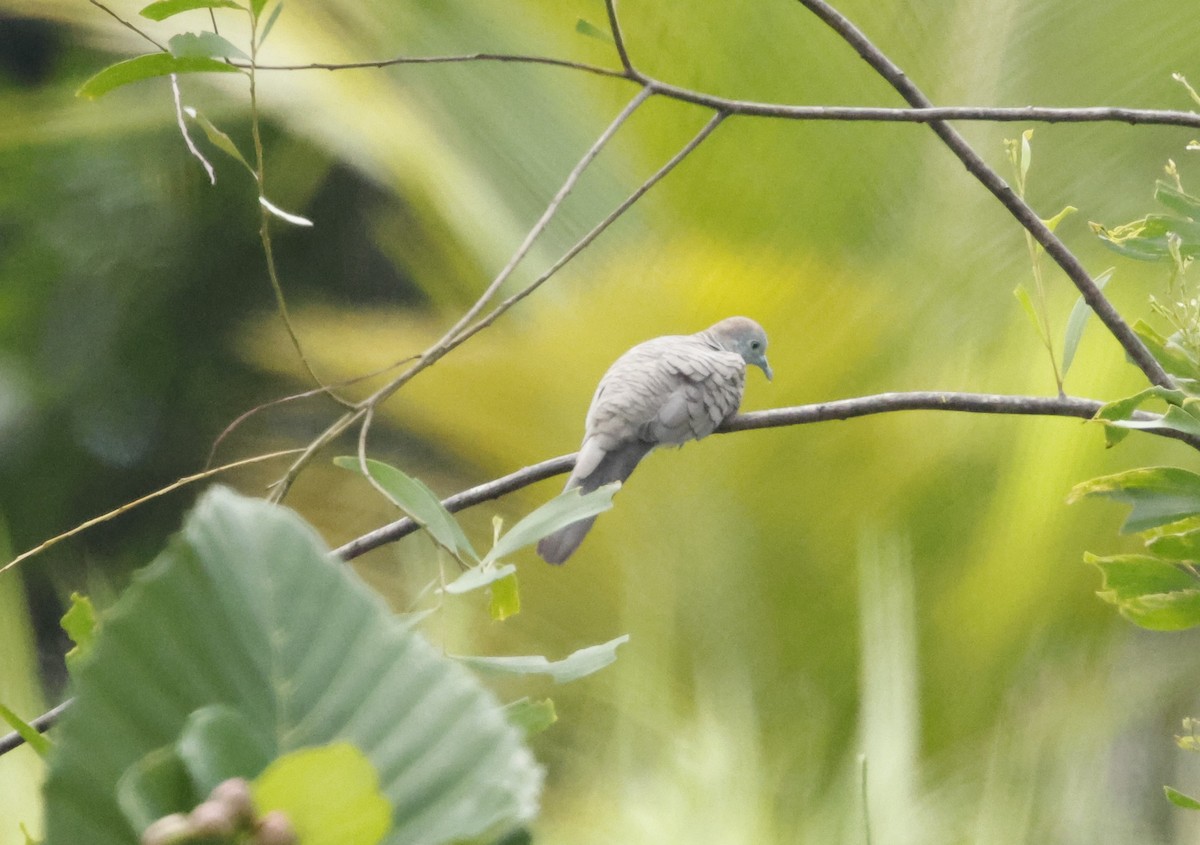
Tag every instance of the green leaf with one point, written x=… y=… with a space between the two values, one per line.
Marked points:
x=576 y=665
x=479 y=576
x=329 y=794
x=247 y=609
x=1149 y=592
x=32 y=736
x=589 y=29
x=1178 y=201
x=1078 y=319
x=220 y=140
x=1183 y=546
x=1159 y=495
x=1022 y=294
x=1053 y=222
x=1173 y=358
x=270 y=22
x=204 y=44
x=1180 y=800
x=154 y=786
x=506 y=598
x=530 y=716
x=1175 y=419
x=147 y=67
x=419 y=502
x=563 y=509
x=1026 y=153
x=257 y=6
x=164 y=9
x=1147 y=239
x=79 y=623
x=219 y=743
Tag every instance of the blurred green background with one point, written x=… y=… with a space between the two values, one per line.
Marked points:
x=904 y=587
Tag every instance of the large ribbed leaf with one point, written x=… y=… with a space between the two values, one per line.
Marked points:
x=246 y=609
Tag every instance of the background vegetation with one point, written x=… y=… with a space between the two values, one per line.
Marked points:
x=908 y=587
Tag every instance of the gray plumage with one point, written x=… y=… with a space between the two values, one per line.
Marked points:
x=663 y=392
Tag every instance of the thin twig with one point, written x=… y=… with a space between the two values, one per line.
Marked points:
x=1027 y=217
x=587 y=239
x=128 y=506
x=502 y=58
x=126 y=23
x=448 y=340
x=264 y=227
x=316 y=391
x=841 y=409
x=614 y=26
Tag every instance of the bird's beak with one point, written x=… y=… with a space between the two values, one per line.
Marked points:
x=766 y=368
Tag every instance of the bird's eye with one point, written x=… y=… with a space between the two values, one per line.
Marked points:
x=754 y=344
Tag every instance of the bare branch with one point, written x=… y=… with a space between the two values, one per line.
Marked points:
x=1028 y=218
x=841 y=409
x=450 y=338
x=596 y=231
x=128 y=506
x=502 y=58
x=618 y=39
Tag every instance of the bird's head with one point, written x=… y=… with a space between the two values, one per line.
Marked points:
x=745 y=337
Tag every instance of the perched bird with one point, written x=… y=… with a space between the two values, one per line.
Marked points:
x=663 y=392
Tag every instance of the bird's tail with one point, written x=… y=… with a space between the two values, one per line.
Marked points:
x=614 y=466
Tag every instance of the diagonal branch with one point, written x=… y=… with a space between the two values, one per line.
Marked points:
x=1025 y=215
x=841 y=409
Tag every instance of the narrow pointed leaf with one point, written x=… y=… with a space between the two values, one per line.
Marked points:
x=1078 y=321
x=563 y=509
x=204 y=44
x=479 y=576
x=1183 y=546
x=148 y=67
x=32 y=736
x=578 y=664
x=220 y=140
x=1175 y=419
x=585 y=27
x=270 y=23
x=1022 y=294
x=1158 y=495
x=1026 y=153
x=1149 y=592
x=1173 y=358
x=1177 y=798
x=164 y=9
x=419 y=502
x=1177 y=200
x=1053 y=222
